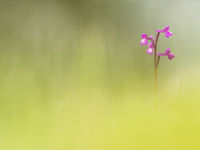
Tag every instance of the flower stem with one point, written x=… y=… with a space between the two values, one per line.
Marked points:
x=156 y=61
x=155 y=49
x=155 y=89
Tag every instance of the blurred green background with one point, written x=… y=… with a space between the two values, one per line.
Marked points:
x=74 y=77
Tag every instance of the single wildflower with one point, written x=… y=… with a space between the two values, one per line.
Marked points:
x=167 y=53
x=166 y=31
x=152 y=49
x=144 y=40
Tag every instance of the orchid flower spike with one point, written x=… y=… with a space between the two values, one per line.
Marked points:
x=152 y=47
x=152 y=50
x=166 y=31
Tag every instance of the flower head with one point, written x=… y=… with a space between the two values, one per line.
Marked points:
x=167 y=53
x=144 y=40
x=166 y=31
x=171 y=56
x=150 y=49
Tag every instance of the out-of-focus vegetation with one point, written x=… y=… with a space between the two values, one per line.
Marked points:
x=73 y=76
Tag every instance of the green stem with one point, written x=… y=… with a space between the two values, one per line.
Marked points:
x=155 y=89
x=156 y=61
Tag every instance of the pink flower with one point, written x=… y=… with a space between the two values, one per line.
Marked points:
x=171 y=56
x=150 y=49
x=166 y=31
x=167 y=53
x=144 y=40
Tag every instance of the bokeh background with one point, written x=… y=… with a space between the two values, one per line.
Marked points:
x=74 y=77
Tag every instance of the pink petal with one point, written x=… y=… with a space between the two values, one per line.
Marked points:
x=151 y=45
x=144 y=42
x=150 y=51
x=167 y=52
x=151 y=37
x=144 y=36
x=158 y=30
x=171 y=56
x=166 y=29
x=168 y=34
